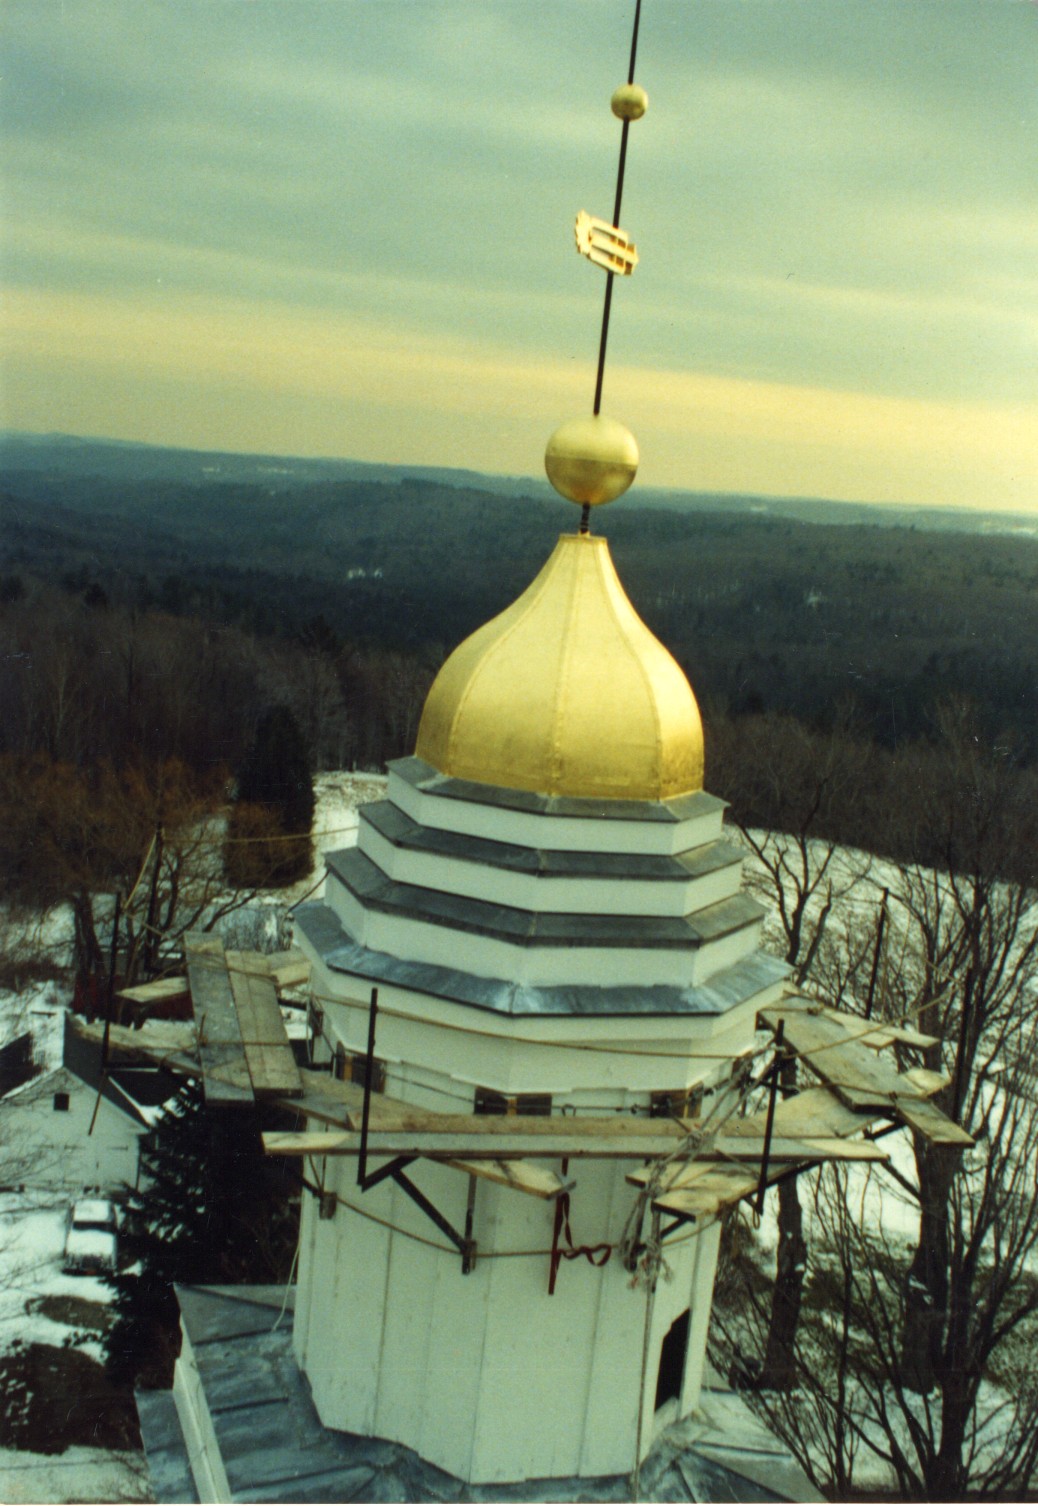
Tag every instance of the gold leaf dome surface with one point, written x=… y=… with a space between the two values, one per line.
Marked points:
x=566 y=692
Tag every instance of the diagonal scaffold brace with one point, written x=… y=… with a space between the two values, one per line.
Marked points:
x=395 y=1168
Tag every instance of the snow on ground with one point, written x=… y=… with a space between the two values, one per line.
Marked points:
x=876 y=1198
x=32 y=1241
x=32 y=1238
x=32 y=1224
x=337 y=797
x=32 y=1227
x=79 y=1474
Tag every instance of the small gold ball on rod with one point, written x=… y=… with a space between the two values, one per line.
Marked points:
x=591 y=460
x=629 y=102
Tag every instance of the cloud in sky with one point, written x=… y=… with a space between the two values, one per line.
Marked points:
x=335 y=227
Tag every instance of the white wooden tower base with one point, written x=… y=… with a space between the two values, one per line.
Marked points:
x=484 y=1373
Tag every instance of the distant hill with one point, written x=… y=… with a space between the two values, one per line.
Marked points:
x=796 y=605
x=121 y=460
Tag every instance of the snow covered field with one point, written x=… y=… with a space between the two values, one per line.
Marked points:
x=32 y=1238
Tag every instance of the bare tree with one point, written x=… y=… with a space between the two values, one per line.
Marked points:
x=906 y=1345
x=151 y=834
x=777 y=769
x=855 y=1419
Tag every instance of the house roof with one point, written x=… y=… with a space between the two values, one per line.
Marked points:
x=17 y=1064
x=132 y=1090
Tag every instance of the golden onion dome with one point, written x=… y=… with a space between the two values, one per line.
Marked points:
x=566 y=693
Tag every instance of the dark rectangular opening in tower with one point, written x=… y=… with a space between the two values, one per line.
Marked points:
x=672 y=1360
x=489 y=1102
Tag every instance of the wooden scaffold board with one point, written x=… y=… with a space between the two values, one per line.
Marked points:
x=225 y=1074
x=268 y=1053
x=833 y=1051
x=242 y=1045
x=688 y=1168
x=163 y=991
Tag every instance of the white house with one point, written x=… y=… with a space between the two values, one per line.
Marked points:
x=73 y=1127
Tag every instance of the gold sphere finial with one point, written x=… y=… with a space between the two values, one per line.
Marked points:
x=591 y=460
x=629 y=102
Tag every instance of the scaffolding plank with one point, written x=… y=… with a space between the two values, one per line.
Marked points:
x=927 y=1119
x=878 y=1033
x=159 y=1043
x=268 y=1053
x=926 y=1082
x=682 y=1174
x=518 y=1175
x=709 y=1195
x=472 y=1145
x=859 y=1080
x=823 y=1045
x=324 y=1095
x=225 y=1072
x=288 y=968
x=560 y=1127
x=781 y=1152
x=784 y=1148
x=158 y=991
x=815 y=1111
x=812 y=1112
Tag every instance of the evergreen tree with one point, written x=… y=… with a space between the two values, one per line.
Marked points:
x=269 y=838
x=210 y=1209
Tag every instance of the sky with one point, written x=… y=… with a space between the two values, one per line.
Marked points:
x=344 y=228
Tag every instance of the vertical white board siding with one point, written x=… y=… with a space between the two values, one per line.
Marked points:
x=486 y=1375
x=454 y=1383
x=306 y=1276
x=706 y=1245
x=413 y=1288
x=346 y=1334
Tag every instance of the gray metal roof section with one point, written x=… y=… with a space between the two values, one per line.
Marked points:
x=366 y=881
x=274 y=1447
x=422 y=776
x=169 y=1468
x=398 y=828
x=325 y=933
x=126 y=1088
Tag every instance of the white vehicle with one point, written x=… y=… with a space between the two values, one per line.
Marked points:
x=92 y=1241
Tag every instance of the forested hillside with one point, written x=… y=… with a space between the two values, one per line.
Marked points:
x=765 y=613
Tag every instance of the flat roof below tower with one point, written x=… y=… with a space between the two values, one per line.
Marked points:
x=273 y=1446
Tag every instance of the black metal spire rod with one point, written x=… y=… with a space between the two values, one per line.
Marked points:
x=616 y=219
